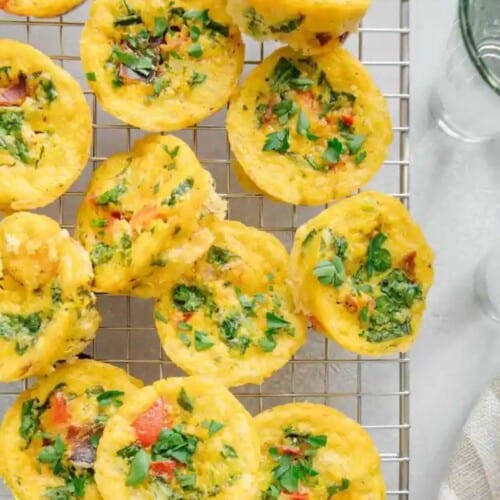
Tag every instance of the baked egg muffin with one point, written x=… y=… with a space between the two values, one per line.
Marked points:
x=47 y=310
x=38 y=8
x=51 y=433
x=181 y=438
x=142 y=212
x=161 y=65
x=232 y=317
x=361 y=270
x=309 y=26
x=45 y=128
x=309 y=130
x=313 y=452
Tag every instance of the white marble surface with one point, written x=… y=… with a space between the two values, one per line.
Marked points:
x=456 y=198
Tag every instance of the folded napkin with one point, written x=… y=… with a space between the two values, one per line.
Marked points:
x=474 y=471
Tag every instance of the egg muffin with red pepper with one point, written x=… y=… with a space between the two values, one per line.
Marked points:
x=161 y=65
x=38 y=8
x=142 y=211
x=232 y=317
x=45 y=128
x=362 y=270
x=309 y=26
x=183 y=438
x=309 y=130
x=313 y=452
x=47 y=310
x=51 y=433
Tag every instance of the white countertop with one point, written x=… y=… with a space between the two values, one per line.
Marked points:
x=456 y=197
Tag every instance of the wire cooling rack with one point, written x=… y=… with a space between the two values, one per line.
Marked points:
x=375 y=392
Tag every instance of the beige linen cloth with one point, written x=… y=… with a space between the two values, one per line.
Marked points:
x=474 y=471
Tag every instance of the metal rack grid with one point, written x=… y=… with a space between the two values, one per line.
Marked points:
x=374 y=391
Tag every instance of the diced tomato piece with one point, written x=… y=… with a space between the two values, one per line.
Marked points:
x=59 y=409
x=409 y=262
x=164 y=469
x=290 y=450
x=348 y=120
x=298 y=496
x=187 y=316
x=148 y=425
x=351 y=304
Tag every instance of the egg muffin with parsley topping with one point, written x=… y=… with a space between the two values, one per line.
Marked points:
x=45 y=128
x=38 y=8
x=161 y=65
x=313 y=452
x=142 y=210
x=361 y=270
x=309 y=130
x=51 y=433
x=232 y=317
x=47 y=310
x=309 y=26
x=183 y=438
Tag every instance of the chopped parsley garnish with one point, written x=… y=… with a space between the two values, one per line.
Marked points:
x=101 y=254
x=197 y=79
x=201 y=341
x=284 y=110
x=212 y=426
x=11 y=137
x=184 y=339
x=284 y=71
x=99 y=222
x=159 y=317
x=23 y=329
x=219 y=256
x=304 y=127
x=353 y=141
x=30 y=419
x=159 y=85
x=274 y=323
x=360 y=158
x=108 y=398
x=188 y=298
x=90 y=76
x=173 y=444
x=185 y=402
x=55 y=293
x=172 y=153
x=228 y=451
x=195 y=50
x=161 y=26
x=48 y=89
x=278 y=141
x=112 y=196
x=178 y=192
x=333 y=151
x=337 y=488
x=378 y=259
x=330 y=272
x=287 y=26
x=53 y=454
x=229 y=333
x=139 y=469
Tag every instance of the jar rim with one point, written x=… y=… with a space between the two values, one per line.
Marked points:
x=465 y=26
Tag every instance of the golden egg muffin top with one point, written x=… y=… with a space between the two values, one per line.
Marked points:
x=313 y=452
x=38 y=8
x=309 y=130
x=309 y=26
x=138 y=205
x=181 y=438
x=232 y=317
x=45 y=128
x=161 y=65
x=51 y=433
x=361 y=270
x=47 y=309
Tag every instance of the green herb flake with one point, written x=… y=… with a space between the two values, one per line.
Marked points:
x=330 y=272
x=195 y=50
x=91 y=77
x=275 y=322
x=184 y=326
x=160 y=26
x=360 y=157
x=219 y=256
x=99 y=222
x=30 y=419
x=178 y=192
x=112 y=196
x=159 y=316
x=172 y=153
x=188 y=298
x=184 y=339
x=278 y=141
x=201 y=341
x=333 y=151
x=159 y=85
x=139 y=469
x=101 y=254
x=378 y=259
x=212 y=426
x=108 y=398
x=353 y=141
x=197 y=79
x=304 y=127
x=337 y=488
x=187 y=481
x=228 y=451
x=287 y=26
x=185 y=402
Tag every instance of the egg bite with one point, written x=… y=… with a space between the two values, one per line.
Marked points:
x=309 y=130
x=45 y=128
x=159 y=65
x=309 y=26
x=313 y=452
x=185 y=438
x=141 y=210
x=51 y=433
x=232 y=317
x=47 y=310
x=362 y=270
x=38 y=8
